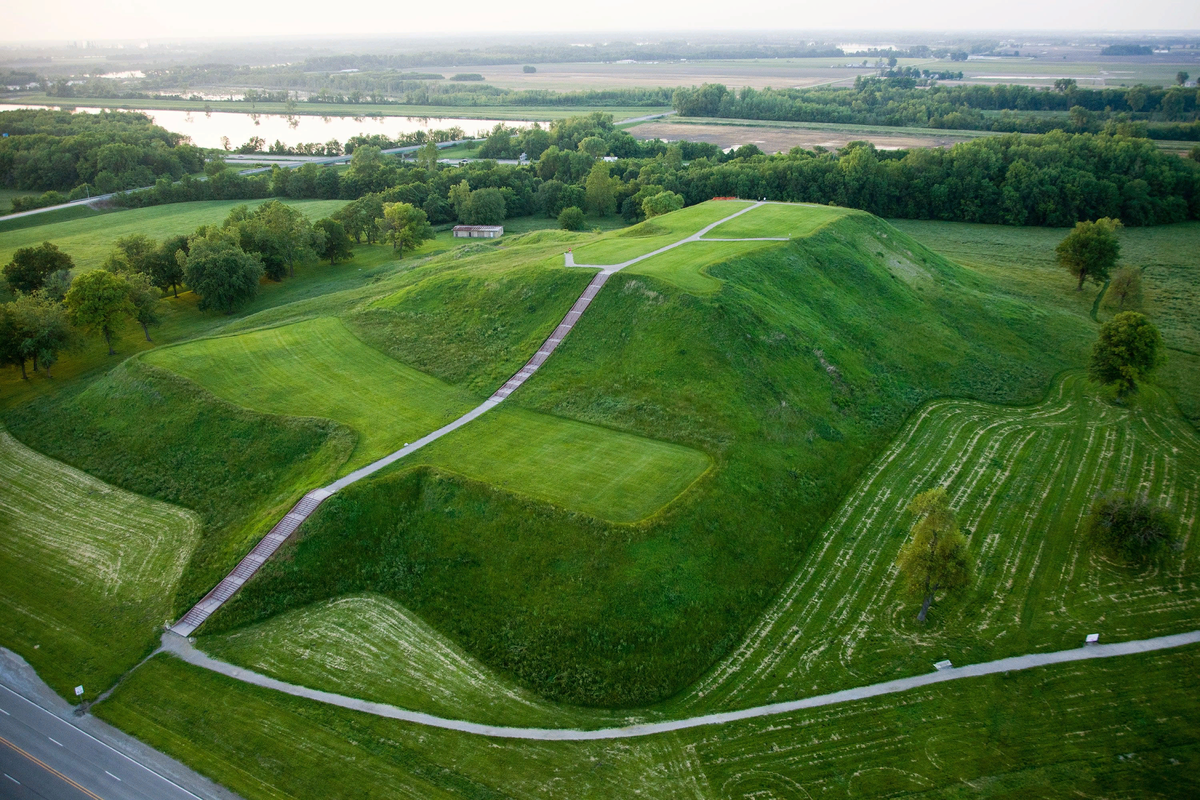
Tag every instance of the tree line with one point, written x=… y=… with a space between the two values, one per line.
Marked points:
x=47 y=150
x=1157 y=112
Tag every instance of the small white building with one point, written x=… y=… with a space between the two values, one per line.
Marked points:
x=478 y=231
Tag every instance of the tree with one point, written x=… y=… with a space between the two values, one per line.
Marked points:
x=366 y=165
x=1126 y=287
x=359 y=217
x=594 y=146
x=460 y=197
x=144 y=296
x=1090 y=250
x=1181 y=77
x=41 y=330
x=485 y=207
x=1128 y=350
x=336 y=242
x=404 y=225
x=132 y=254
x=535 y=141
x=225 y=276
x=31 y=266
x=570 y=218
x=1129 y=527
x=599 y=190
x=427 y=156
x=166 y=271
x=98 y=303
x=10 y=340
x=935 y=558
x=662 y=203
x=528 y=69
x=278 y=233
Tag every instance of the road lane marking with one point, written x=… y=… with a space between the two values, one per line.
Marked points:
x=114 y=777
x=48 y=768
x=56 y=741
x=5 y=713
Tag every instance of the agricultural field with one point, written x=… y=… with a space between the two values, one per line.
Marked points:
x=780 y=137
x=89 y=569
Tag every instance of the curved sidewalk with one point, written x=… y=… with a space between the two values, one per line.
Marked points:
x=182 y=648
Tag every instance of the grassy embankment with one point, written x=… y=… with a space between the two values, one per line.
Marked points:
x=1121 y=727
x=792 y=376
x=89 y=570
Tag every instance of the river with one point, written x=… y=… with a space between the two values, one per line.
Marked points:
x=207 y=129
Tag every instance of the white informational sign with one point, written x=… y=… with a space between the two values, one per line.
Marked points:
x=79 y=691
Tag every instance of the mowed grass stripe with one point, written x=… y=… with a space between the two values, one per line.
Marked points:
x=89 y=570
x=1021 y=480
x=317 y=368
x=778 y=219
x=657 y=232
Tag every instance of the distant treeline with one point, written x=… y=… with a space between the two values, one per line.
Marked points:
x=1162 y=112
x=1054 y=179
x=113 y=150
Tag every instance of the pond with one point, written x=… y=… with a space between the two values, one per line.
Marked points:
x=208 y=129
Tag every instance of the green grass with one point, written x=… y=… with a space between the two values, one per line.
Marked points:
x=319 y=369
x=8 y=195
x=90 y=570
x=686 y=267
x=47 y=217
x=1121 y=727
x=151 y=432
x=792 y=378
x=654 y=233
x=1023 y=259
x=778 y=219
x=89 y=239
x=609 y=474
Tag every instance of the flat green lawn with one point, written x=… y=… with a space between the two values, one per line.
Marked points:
x=654 y=233
x=319 y=369
x=89 y=240
x=1020 y=480
x=613 y=475
x=1121 y=727
x=8 y=195
x=686 y=266
x=778 y=219
x=89 y=570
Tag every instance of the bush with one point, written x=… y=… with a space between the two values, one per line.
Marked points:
x=571 y=218
x=1129 y=527
x=528 y=69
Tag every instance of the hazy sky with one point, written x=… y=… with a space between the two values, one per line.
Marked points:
x=152 y=19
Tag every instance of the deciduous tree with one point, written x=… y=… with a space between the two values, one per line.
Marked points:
x=662 y=203
x=1125 y=288
x=99 y=303
x=144 y=296
x=404 y=225
x=1091 y=250
x=31 y=266
x=221 y=273
x=599 y=190
x=166 y=270
x=336 y=243
x=570 y=218
x=934 y=559
x=1127 y=351
x=1128 y=526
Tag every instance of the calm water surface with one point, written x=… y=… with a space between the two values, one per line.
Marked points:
x=206 y=129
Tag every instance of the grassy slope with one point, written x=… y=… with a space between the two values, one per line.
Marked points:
x=89 y=569
x=776 y=219
x=319 y=369
x=1116 y=728
x=89 y=240
x=792 y=378
x=654 y=233
x=1023 y=258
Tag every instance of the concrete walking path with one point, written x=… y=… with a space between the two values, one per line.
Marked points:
x=266 y=547
x=183 y=649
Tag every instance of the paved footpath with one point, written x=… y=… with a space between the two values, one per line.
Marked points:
x=267 y=546
x=183 y=648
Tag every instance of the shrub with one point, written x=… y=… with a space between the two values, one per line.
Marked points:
x=571 y=218
x=1129 y=527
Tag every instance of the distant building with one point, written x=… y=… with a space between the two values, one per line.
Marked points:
x=478 y=231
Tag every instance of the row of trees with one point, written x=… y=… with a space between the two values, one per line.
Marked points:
x=898 y=100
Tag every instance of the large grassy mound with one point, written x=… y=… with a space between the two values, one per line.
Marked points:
x=89 y=570
x=160 y=435
x=791 y=377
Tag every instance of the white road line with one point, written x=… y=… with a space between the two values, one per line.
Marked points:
x=114 y=777
x=100 y=742
x=11 y=778
x=56 y=741
x=5 y=713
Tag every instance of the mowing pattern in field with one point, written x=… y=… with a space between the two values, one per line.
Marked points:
x=1020 y=479
x=371 y=647
x=686 y=265
x=612 y=475
x=88 y=570
x=318 y=368
x=778 y=219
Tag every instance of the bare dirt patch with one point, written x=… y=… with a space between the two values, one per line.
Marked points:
x=776 y=140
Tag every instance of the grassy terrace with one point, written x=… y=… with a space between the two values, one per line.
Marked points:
x=1122 y=727
x=89 y=569
x=654 y=233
